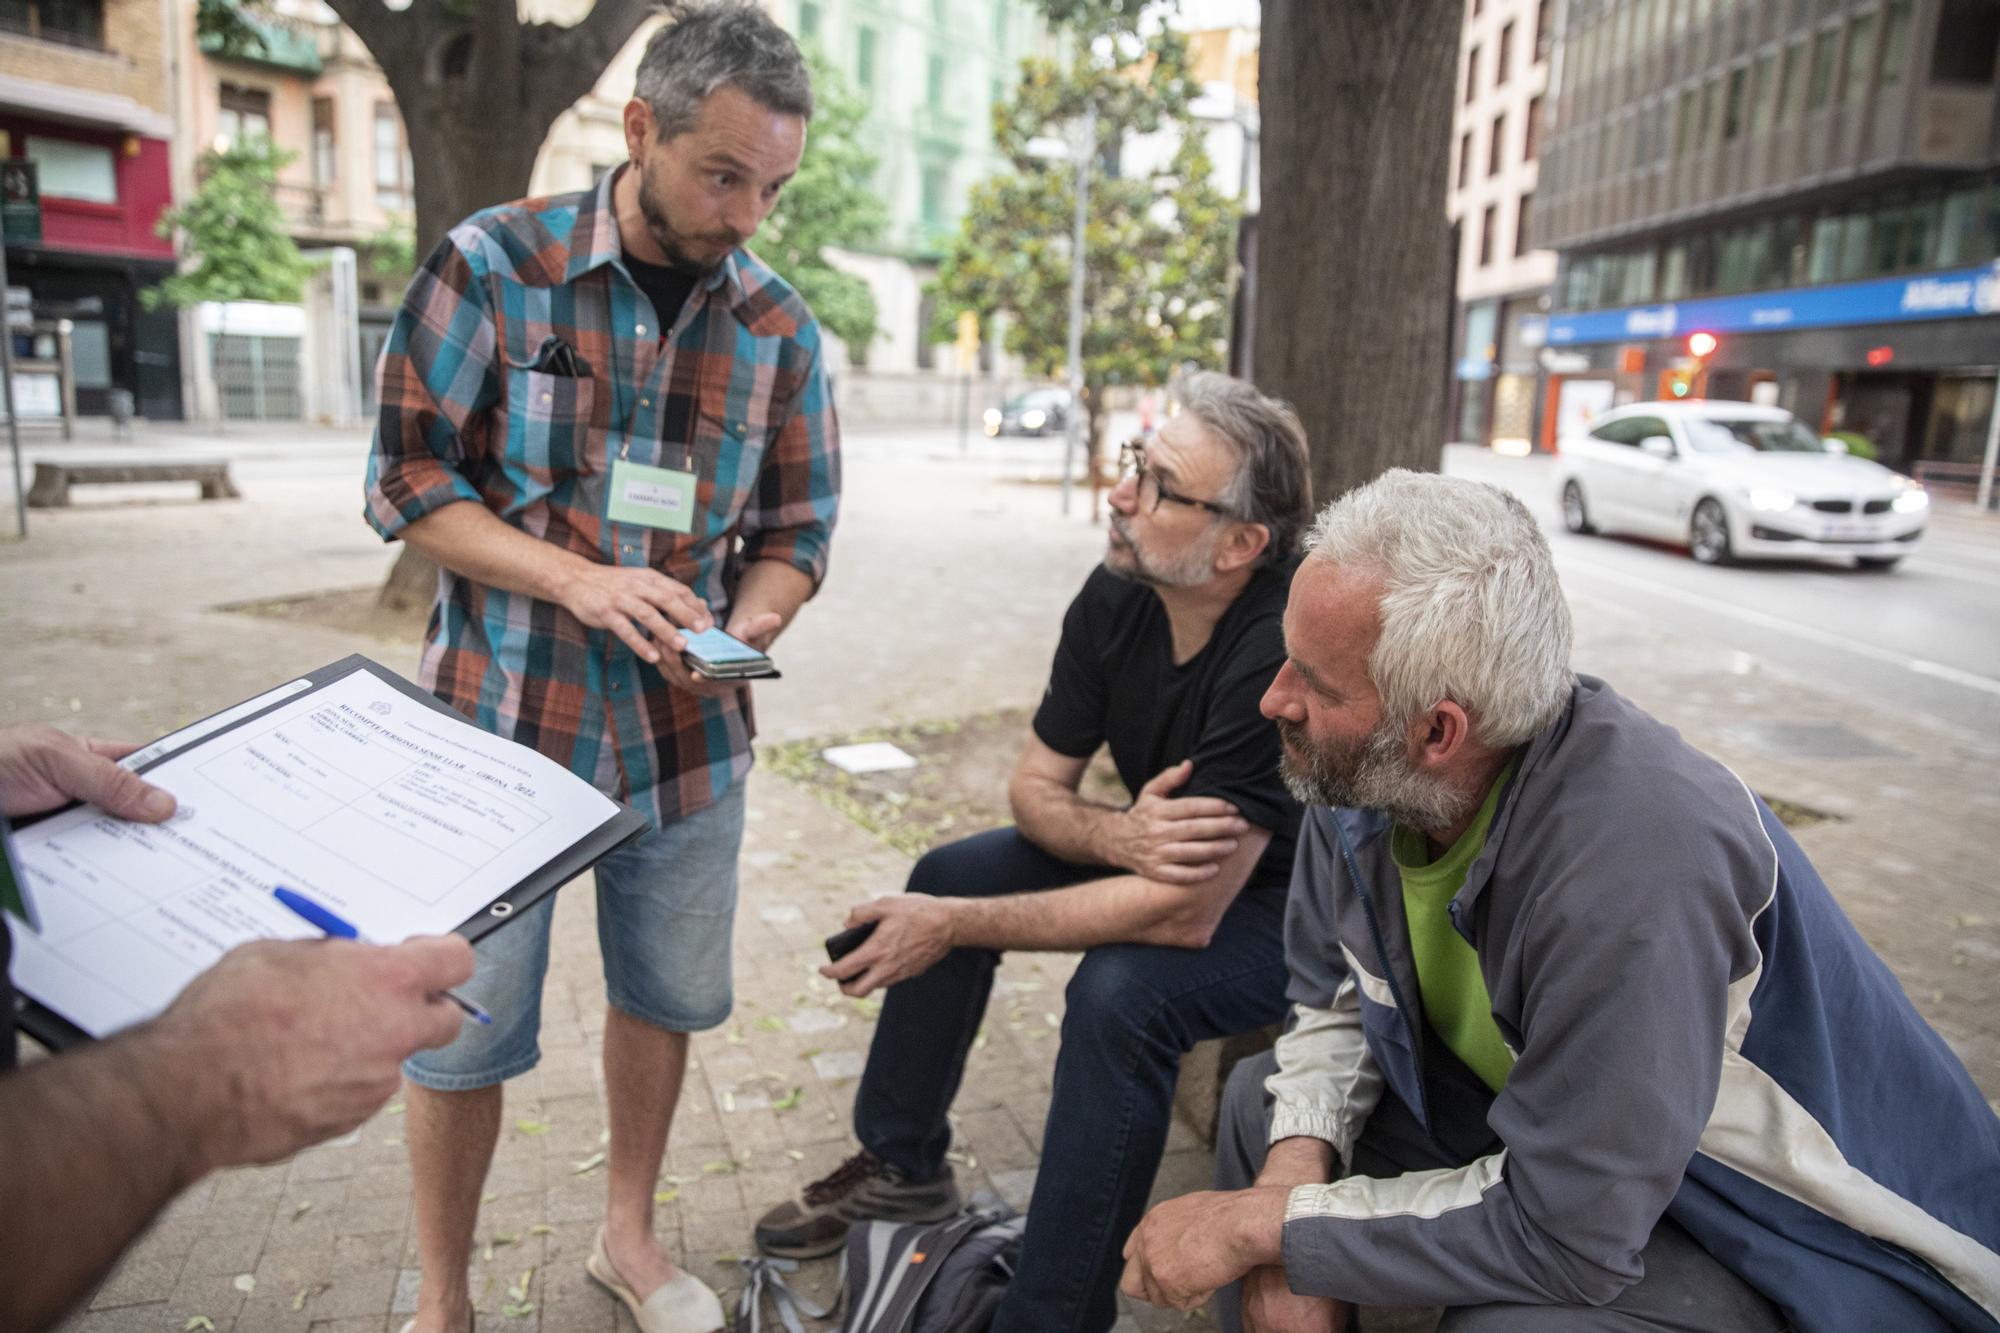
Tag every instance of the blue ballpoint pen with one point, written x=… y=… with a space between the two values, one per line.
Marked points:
x=335 y=926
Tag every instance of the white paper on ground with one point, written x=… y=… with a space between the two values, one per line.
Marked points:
x=869 y=757
x=402 y=819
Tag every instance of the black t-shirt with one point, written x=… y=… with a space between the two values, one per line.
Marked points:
x=1114 y=681
x=665 y=286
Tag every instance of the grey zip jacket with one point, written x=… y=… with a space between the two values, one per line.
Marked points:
x=1698 y=1030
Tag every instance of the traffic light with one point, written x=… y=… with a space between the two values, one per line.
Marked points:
x=1701 y=344
x=1677 y=383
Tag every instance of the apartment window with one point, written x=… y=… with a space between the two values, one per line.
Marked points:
x=1487 y=222
x=1860 y=57
x=1503 y=55
x=1825 y=45
x=1970 y=230
x=71 y=170
x=1732 y=106
x=1792 y=83
x=933 y=197
x=1967 y=33
x=1895 y=42
x=393 y=174
x=1496 y=147
x=864 y=57
x=1684 y=124
x=1521 y=224
x=1471 y=73
x=243 y=114
x=934 y=82
x=999 y=32
x=1531 y=145
x=1764 y=94
x=1709 y=121
x=324 y=160
x=808 y=20
x=71 y=22
x=1542 y=33
x=1465 y=159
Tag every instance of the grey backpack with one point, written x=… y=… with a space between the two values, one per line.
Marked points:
x=931 y=1277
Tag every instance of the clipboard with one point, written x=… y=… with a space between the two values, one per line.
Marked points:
x=57 y=1033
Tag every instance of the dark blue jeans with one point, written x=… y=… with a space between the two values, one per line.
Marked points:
x=1132 y=1011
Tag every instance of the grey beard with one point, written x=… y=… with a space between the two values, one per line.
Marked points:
x=1374 y=775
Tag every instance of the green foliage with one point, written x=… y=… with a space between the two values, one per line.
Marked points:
x=830 y=202
x=234 y=232
x=225 y=27
x=393 y=250
x=1158 y=245
x=1858 y=445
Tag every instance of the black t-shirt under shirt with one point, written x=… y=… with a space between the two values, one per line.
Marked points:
x=666 y=286
x=1114 y=682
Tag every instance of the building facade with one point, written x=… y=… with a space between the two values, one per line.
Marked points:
x=930 y=72
x=86 y=97
x=1504 y=276
x=1814 y=183
x=346 y=193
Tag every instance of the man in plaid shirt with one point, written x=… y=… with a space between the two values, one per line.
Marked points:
x=610 y=424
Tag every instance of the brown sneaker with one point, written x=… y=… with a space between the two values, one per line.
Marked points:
x=863 y=1188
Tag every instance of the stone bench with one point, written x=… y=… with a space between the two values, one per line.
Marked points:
x=1204 y=1071
x=53 y=479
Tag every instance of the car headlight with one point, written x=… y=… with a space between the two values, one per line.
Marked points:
x=992 y=418
x=1912 y=500
x=1033 y=418
x=1769 y=499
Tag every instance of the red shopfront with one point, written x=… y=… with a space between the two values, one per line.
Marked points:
x=104 y=185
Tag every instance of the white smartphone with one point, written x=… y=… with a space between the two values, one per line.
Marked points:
x=720 y=656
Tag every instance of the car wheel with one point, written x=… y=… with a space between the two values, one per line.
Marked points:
x=1708 y=535
x=1575 y=517
x=1877 y=561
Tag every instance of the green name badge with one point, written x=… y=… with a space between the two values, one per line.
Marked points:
x=652 y=497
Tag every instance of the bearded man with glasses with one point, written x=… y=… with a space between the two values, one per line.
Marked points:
x=1176 y=900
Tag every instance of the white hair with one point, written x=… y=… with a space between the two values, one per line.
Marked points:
x=1472 y=610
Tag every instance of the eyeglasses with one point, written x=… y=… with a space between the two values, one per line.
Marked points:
x=1132 y=462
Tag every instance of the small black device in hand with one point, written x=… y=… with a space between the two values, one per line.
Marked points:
x=843 y=943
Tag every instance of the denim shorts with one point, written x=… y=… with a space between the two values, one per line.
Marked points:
x=665 y=906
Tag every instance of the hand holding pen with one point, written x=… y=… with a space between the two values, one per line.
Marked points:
x=336 y=927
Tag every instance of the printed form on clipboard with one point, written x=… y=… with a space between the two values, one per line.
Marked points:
x=357 y=789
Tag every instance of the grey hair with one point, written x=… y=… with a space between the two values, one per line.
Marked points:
x=1472 y=610
x=1272 y=484
x=726 y=44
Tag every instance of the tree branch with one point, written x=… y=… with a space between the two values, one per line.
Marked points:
x=379 y=27
x=496 y=44
x=573 y=58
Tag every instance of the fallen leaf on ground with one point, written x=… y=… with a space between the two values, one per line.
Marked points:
x=245 y=1282
x=590 y=1163
x=665 y=1196
x=532 y=1128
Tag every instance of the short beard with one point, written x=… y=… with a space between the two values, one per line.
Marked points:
x=1372 y=774
x=1192 y=568
x=665 y=235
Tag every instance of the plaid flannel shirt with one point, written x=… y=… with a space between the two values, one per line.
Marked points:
x=735 y=391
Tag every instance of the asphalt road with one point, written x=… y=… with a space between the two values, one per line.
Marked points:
x=1923 y=639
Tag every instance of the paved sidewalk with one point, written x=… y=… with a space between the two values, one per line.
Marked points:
x=113 y=630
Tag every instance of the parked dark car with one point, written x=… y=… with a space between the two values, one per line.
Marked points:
x=1036 y=412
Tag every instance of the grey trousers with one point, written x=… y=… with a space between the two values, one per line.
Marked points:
x=1685 y=1290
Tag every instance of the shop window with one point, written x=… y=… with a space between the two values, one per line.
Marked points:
x=1855 y=234
x=71 y=170
x=71 y=22
x=1825 y=45
x=1860 y=58
x=242 y=114
x=1969 y=226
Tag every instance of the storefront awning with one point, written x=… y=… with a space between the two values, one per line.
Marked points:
x=74 y=106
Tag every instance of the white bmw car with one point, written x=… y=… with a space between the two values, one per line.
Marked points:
x=1735 y=481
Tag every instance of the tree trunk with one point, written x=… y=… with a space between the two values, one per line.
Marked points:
x=478 y=90
x=1354 y=266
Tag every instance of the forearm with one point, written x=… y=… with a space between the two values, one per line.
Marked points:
x=94 y=1144
x=1124 y=909
x=771 y=587
x=471 y=541
x=1061 y=822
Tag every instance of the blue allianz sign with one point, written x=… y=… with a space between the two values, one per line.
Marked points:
x=1955 y=294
